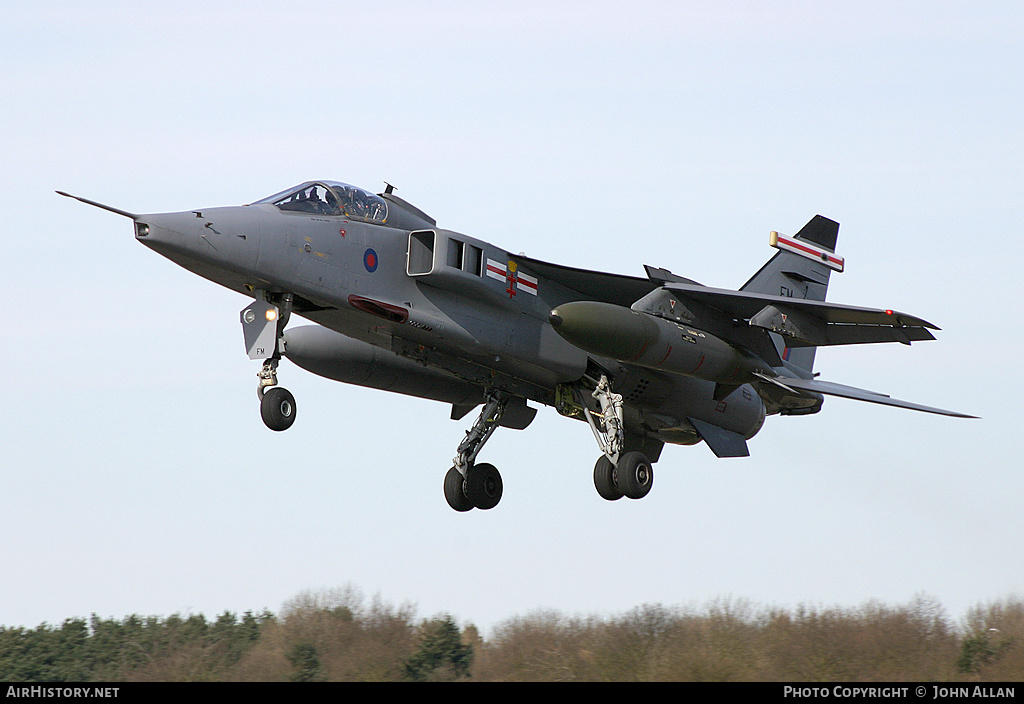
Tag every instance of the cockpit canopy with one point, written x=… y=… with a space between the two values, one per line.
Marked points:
x=331 y=198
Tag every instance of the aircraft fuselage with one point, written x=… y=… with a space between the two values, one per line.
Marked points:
x=459 y=306
x=404 y=306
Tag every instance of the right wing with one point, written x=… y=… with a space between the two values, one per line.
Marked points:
x=808 y=323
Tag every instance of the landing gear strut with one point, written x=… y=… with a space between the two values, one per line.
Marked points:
x=610 y=435
x=469 y=485
x=618 y=472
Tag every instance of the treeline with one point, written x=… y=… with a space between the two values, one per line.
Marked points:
x=338 y=636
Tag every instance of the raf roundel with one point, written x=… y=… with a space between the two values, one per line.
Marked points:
x=370 y=260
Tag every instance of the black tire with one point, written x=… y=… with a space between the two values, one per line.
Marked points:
x=604 y=479
x=483 y=486
x=277 y=408
x=635 y=475
x=454 y=493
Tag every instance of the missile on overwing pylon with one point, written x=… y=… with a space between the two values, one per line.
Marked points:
x=627 y=335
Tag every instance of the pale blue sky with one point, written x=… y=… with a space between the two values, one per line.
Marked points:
x=138 y=478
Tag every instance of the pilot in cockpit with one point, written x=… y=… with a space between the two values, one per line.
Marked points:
x=332 y=202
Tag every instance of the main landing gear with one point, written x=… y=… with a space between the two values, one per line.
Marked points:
x=619 y=472
x=624 y=469
x=469 y=485
x=263 y=325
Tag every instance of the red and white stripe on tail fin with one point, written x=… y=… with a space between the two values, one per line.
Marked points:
x=807 y=249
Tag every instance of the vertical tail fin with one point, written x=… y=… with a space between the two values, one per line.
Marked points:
x=800 y=269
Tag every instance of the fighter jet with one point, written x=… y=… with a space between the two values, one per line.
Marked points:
x=401 y=305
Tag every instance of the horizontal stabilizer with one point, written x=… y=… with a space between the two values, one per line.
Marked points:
x=832 y=389
x=724 y=443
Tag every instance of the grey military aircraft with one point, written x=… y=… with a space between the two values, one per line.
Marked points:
x=402 y=305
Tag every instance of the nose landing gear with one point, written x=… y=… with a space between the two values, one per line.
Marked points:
x=262 y=326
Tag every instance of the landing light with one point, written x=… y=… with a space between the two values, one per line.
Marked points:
x=141 y=229
x=271 y=314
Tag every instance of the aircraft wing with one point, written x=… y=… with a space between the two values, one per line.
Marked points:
x=832 y=389
x=808 y=323
x=597 y=285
